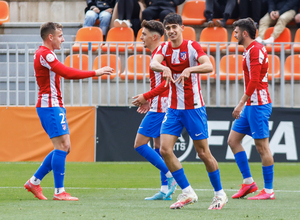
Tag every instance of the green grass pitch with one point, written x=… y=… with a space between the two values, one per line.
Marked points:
x=117 y=191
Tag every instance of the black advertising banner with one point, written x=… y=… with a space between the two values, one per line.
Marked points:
x=117 y=127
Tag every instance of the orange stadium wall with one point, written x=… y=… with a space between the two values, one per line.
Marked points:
x=22 y=137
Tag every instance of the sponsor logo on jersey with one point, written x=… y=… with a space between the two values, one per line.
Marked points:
x=183 y=55
x=50 y=57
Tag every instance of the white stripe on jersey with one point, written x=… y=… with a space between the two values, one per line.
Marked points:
x=194 y=76
x=45 y=100
x=264 y=96
x=54 y=100
x=254 y=97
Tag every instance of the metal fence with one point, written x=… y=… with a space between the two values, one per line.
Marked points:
x=223 y=88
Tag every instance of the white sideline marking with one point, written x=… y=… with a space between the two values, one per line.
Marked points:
x=143 y=189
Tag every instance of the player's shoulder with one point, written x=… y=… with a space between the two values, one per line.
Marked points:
x=257 y=48
x=47 y=54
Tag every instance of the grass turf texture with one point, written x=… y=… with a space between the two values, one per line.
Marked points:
x=117 y=191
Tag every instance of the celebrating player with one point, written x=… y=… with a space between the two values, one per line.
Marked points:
x=151 y=124
x=253 y=118
x=184 y=61
x=51 y=111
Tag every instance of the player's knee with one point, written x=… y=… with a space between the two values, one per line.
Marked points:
x=164 y=151
x=203 y=155
x=231 y=142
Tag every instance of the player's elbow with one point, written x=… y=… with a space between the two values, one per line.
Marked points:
x=152 y=65
x=210 y=68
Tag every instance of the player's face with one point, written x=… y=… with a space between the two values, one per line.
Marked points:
x=57 y=39
x=173 y=31
x=239 y=36
x=146 y=38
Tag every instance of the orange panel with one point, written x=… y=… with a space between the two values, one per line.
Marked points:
x=24 y=139
x=4 y=12
x=193 y=12
x=288 y=67
x=88 y=34
x=284 y=37
x=215 y=34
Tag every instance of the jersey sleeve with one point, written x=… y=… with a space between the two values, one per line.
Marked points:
x=72 y=73
x=199 y=50
x=156 y=91
x=51 y=62
x=256 y=61
x=162 y=49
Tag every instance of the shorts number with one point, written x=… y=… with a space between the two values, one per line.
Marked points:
x=63 y=118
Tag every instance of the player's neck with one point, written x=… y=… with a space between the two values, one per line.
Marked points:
x=49 y=46
x=154 y=46
x=247 y=42
x=177 y=42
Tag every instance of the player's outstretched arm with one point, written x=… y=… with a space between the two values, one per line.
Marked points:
x=73 y=73
x=106 y=70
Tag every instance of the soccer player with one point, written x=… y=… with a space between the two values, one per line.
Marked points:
x=51 y=111
x=185 y=59
x=151 y=124
x=253 y=118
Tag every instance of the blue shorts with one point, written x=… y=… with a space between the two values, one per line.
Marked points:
x=194 y=120
x=54 y=121
x=151 y=124
x=254 y=121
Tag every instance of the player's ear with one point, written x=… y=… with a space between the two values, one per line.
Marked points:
x=182 y=27
x=50 y=37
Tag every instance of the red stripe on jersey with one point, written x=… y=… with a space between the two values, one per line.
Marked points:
x=255 y=66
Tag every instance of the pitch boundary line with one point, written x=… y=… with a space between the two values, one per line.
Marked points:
x=142 y=189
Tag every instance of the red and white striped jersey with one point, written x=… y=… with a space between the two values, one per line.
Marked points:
x=48 y=71
x=158 y=95
x=255 y=68
x=177 y=59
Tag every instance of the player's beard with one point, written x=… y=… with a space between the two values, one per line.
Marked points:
x=241 y=41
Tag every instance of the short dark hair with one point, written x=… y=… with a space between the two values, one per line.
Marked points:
x=49 y=28
x=155 y=26
x=246 y=24
x=173 y=18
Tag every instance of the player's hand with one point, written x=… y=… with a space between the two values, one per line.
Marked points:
x=104 y=71
x=143 y=109
x=237 y=111
x=183 y=76
x=139 y=100
x=167 y=75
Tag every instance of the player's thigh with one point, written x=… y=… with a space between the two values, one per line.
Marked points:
x=151 y=124
x=259 y=120
x=172 y=124
x=195 y=122
x=167 y=143
x=141 y=140
x=54 y=121
x=156 y=142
